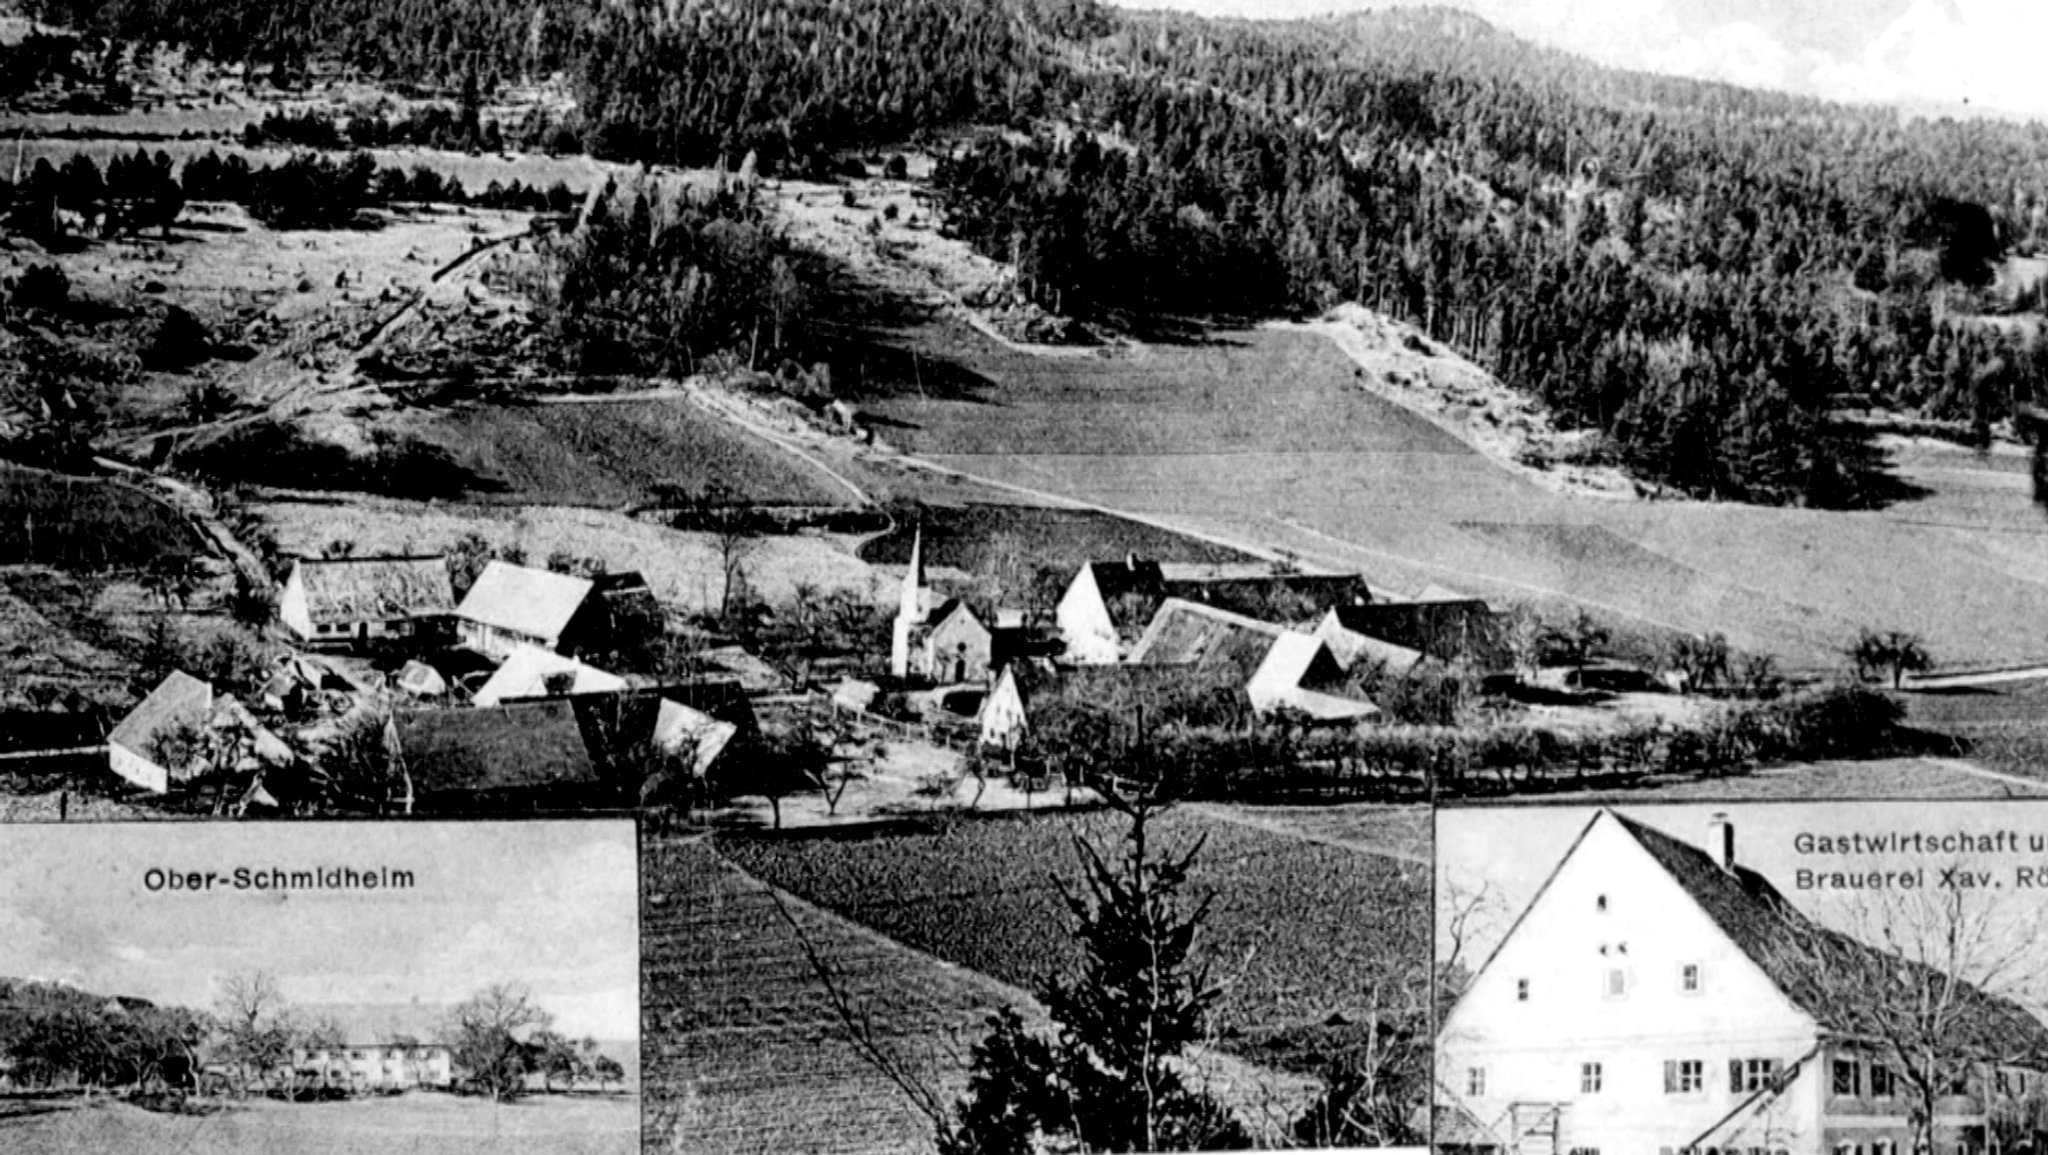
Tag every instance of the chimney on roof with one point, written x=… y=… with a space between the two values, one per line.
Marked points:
x=1721 y=840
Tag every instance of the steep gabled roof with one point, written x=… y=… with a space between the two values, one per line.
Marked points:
x=179 y=698
x=535 y=602
x=374 y=589
x=1818 y=969
x=1134 y=575
x=1186 y=633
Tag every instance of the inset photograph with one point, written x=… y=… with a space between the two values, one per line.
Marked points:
x=1851 y=979
x=1117 y=978
x=319 y=988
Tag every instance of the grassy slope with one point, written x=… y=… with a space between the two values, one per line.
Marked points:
x=961 y=537
x=615 y=453
x=1305 y=928
x=1271 y=437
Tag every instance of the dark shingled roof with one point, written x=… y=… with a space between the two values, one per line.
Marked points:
x=497 y=748
x=1208 y=639
x=1258 y=597
x=1097 y=683
x=1445 y=630
x=1816 y=967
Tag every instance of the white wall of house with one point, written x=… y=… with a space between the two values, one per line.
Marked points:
x=1002 y=712
x=138 y=768
x=292 y=608
x=957 y=649
x=1084 y=622
x=380 y=1066
x=1615 y=965
x=495 y=642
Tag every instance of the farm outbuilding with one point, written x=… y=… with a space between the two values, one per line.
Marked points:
x=1278 y=668
x=345 y=601
x=1109 y=602
x=524 y=756
x=1447 y=630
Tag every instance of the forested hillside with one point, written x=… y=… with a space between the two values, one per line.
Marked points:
x=1699 y=271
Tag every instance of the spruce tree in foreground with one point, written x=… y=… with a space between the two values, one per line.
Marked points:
x=1110 y=1080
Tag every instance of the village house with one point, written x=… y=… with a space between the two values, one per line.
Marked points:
x=1024 y=689
x=182 y=731
x=345 y=601
x=514 y=605
x=532 y=672
x=377 y=1065
x=1277 y=668
x=1108 y=603
x=1658 y=998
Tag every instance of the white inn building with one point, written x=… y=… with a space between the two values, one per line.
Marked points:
x=1655 y=999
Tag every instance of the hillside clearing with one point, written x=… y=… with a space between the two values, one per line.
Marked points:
x=1266 y=438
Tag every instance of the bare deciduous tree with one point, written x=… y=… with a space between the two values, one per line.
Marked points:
x=1931 y=995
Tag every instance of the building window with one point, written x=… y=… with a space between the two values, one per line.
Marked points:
x=1589 y=1078
x=1848 y=1077
x=1684 y=1076
x=1615 y=985
x=1689 y=978
x=1883 y=1147
x=1521 y=990
x=1883 y=1084
x=1475 y=1081
x=1747 y=1075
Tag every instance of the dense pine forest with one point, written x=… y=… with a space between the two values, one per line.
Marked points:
x=1705 y=274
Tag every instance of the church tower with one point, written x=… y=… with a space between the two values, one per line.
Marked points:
x=909 y=608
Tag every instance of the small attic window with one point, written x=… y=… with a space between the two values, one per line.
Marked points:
x=1600 y=903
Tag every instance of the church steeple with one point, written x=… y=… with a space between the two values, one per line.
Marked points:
x=909 y=607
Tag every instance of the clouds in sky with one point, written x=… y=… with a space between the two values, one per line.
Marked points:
x=552 y=905
x=1921 y=55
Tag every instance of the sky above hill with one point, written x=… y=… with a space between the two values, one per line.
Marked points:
x=1928 y=56
x=550 y=905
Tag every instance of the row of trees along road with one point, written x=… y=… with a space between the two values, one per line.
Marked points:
x=55 y=1035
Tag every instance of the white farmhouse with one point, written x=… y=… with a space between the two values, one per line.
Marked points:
x=513 y=605
x=336 y=601
x=1655 y=999
x=377 y=1064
